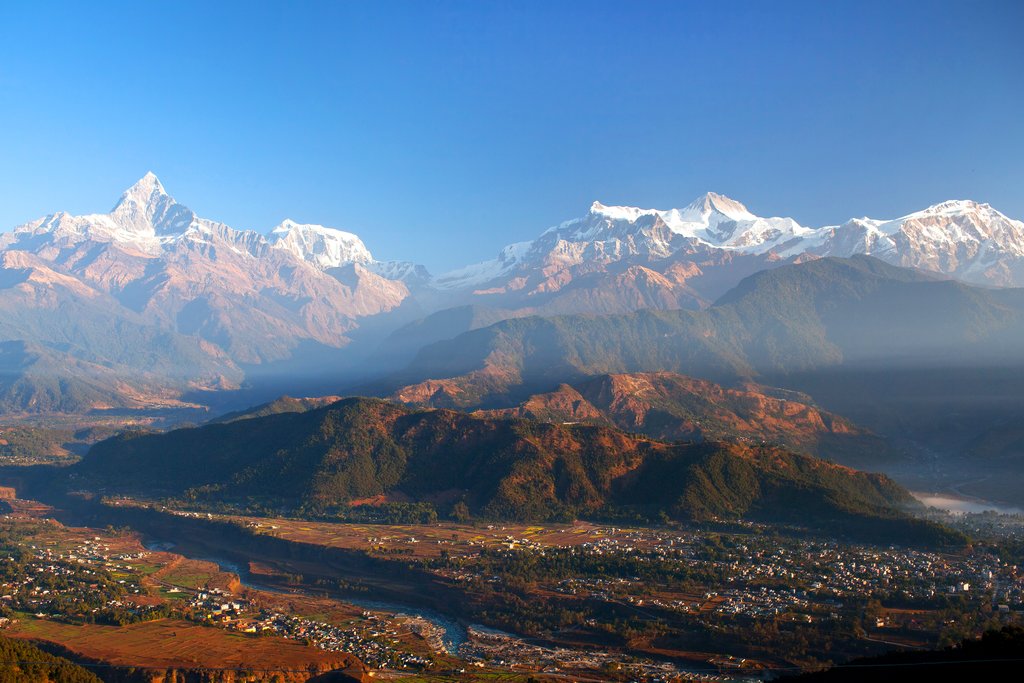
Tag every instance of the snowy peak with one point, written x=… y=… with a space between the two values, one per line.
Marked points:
x=145 y=208
x=712 y=202
x=705 y=212
x=963 y=238
x=619 y=213
x=319 y=245
x=963 y=209
x=148 y=221
x=956 y=206
x=699 y=210
x=147 y=190
x=712 y=219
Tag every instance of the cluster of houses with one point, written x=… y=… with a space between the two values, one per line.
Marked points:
x=53 y=578
x=829 y=569
x=498 y=648
x=372 y=639
x=765 y=577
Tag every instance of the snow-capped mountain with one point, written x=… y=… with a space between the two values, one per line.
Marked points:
x=613 y=233
x=144 y=219
x=235 y=297
x=963 y=239
x=322 y=246
x=148 y=220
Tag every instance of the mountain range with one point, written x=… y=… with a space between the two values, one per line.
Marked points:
x=934 y=366
x=672 y=407
x=150 y=306
x=823 y=314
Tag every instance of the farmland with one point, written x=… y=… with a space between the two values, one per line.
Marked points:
x=176 y=644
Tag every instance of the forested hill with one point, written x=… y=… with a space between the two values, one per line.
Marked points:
x=314 y=463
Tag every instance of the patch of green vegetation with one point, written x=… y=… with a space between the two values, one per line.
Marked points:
x=22 y=662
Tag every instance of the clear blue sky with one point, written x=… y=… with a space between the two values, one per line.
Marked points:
x=440 y=131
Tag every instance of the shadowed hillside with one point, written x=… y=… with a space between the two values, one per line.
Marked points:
x=319 y=461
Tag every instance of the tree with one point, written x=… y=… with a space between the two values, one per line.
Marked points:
x=460 y=512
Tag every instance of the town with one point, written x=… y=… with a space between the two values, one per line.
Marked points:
x=656 y=583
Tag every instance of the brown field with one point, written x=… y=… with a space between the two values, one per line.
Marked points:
x=182 y=572
x=425 y=540
x=171 y=643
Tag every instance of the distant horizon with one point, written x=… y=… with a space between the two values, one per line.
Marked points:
x=441 y=132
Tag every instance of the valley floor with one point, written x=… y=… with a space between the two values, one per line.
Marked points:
x=584 y=600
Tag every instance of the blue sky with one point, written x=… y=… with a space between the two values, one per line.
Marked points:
x=440 y=131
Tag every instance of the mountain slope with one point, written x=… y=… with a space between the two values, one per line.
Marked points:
x=510 y=469
x=619 y=259
x=284 y=404
x=801 y=318
x=671 y=407
x=23 y=662
x=70 y=348
x=936 y=367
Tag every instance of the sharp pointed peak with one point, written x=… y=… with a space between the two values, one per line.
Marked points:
x=146 y=191
x=285 y=225
x=146 y=206
x=149 y=177
x=147 y=183
x=713 y=201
